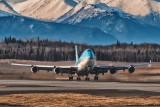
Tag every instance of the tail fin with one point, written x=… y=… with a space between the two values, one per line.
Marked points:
x=76 y=54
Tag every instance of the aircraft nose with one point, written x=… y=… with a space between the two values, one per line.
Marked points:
x=90 y=53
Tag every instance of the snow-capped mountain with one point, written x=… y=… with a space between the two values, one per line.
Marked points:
x=3 y=14
x=5 y=6
x=15 y=1
x=123 y=26
x=53 y=9
x=25 y=28
x=127 y=20
x=44 y=9
x=150 y=19
x=134 y=7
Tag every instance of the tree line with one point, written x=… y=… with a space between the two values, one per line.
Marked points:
x=50 y=50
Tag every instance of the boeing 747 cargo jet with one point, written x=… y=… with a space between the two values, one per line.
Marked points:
x=84 y=66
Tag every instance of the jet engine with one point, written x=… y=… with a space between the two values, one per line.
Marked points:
x=131 y=69
x=34 y=69
x=113 y=70
x=57 y=70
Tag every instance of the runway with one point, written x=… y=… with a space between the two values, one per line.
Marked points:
x=108 y=88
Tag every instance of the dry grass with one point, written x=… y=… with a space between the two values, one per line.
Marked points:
x=78 y=100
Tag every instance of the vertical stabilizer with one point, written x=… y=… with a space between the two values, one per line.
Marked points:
x=76 y=54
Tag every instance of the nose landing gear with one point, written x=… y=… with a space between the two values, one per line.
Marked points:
x=78 y=78
x=96 y=78
x=87 y=78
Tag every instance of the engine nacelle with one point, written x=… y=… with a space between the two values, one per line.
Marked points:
x=113 y=70
x=57 y=70
x=131 y=69
x=34 y=69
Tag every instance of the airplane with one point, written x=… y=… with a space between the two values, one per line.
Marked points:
x=84 y=66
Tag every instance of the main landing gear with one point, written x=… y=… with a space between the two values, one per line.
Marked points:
x=96 y=78
x=70 y=78
x=78 y=78
x=87 y=78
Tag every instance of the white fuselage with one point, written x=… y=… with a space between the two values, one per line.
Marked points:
x=85 y=65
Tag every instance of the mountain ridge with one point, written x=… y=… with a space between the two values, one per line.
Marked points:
x=115 y=22
x=4 y=6
x=57 y=31
x=44 y=9
x=88 y=18
x=34 y=8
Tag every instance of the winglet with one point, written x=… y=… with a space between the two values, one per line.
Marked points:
x=76 y=54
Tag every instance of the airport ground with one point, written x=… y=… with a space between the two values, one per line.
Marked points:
x=19 y=87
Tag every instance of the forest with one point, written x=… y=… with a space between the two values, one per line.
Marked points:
x=50 y=50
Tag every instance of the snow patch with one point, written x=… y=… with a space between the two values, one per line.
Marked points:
x=31 y=26
x=22 y=20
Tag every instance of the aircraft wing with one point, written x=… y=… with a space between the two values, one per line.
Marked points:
x=38 y=67
x=58 y=69
x=134 y=65
x=25 y=65
x=114 y=69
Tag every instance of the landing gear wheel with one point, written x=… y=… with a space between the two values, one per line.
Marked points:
x=96 y=78
x=87 y=79
x=78 y=79
x=70 y=78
